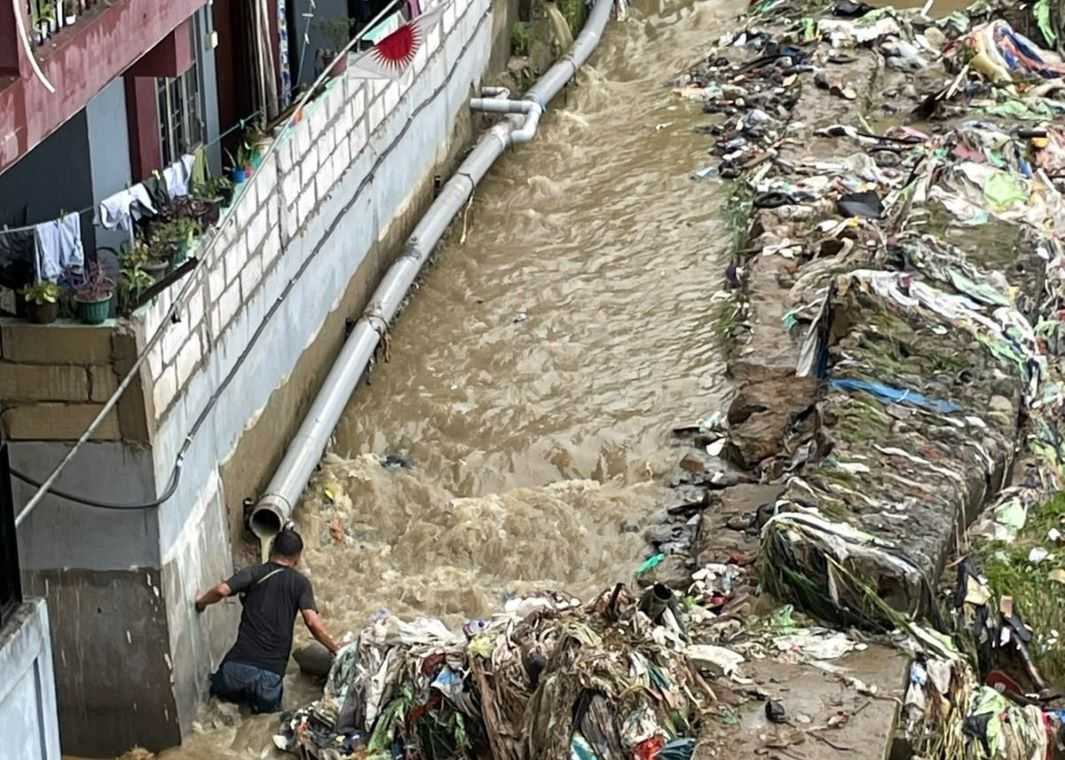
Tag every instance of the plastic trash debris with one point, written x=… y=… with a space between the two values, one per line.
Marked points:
x=817 y=644
x=866 y=205
x=775 y=712
x=895 y=395
x=717 y=661
x=650 y=564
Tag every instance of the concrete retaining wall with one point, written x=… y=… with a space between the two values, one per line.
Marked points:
x=27 y=691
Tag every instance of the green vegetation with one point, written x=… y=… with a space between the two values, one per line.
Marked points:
x=1039 y=597
x=520 y=36
x=575 y=12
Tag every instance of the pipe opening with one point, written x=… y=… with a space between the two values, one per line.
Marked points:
x=266 y=522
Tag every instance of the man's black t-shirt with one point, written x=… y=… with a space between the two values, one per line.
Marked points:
x=273 y=595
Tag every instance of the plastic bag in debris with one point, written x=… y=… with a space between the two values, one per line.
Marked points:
x=846 y=33
x=891 y=395
x=817 y=644
x=1004 y=55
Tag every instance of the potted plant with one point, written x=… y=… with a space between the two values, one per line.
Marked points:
x=215 y=190
x=93 y=295
x=133 y=281
x=172 y=240
x=241 y=163
x=42 y=302
x=258 y=142
x=43 y=20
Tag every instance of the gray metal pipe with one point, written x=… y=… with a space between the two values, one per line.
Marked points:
x=305 y=450
x=495 y=92
x=501 y=105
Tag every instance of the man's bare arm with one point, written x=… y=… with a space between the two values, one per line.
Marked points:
x=216 y=593
x=317 y=628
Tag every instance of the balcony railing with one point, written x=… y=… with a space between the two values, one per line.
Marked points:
x=47 y=17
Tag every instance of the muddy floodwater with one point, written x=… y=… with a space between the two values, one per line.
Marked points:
x=566 y=325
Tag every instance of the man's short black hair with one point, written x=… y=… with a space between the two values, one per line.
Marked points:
x=287 y=543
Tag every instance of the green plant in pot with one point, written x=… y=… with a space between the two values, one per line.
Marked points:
x=152 y=259
x=134 y=280
x=93 y=295
x=215 y=190
x=172 y=240
x=241 y=163
x=42 y=302
x=258 y=142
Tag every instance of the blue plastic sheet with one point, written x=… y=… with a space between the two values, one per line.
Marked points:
x=895 y=395
x=678 y=749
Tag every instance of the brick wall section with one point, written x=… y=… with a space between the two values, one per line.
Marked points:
x=276 y=204
x=54 y=379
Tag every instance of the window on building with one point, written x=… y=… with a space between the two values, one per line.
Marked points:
x=180 y=104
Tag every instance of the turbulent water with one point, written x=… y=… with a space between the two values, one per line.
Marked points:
x=534 y=377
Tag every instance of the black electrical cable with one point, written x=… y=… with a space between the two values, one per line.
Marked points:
x=171 y=487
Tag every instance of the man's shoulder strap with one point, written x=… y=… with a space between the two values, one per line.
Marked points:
x=273 y=572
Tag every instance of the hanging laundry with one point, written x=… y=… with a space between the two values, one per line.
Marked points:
x=177 y=176
x=198 y=168
x=59 y=248
x=123 y=208
x=17 y=257
x=155 y=185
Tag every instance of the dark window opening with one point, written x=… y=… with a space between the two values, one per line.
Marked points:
x=10 y=580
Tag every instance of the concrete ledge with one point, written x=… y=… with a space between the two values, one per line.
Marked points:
x=56 y=422
x=43 y=382
x=57 y=343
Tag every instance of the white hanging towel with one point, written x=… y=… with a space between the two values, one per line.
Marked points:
x=59 y=248
x=119 y=211
x=177 y=177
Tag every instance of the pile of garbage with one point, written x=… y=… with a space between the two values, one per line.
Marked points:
x=547 y=677
x=897 y=353
x=635 y=673
x=903 y=293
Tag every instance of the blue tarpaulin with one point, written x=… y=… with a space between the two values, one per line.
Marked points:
x=895 y=395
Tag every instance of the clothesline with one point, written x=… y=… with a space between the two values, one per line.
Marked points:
x=91 y=209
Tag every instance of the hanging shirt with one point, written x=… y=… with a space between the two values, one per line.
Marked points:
x=177 y=177
x=59 y=248
x=120 y=210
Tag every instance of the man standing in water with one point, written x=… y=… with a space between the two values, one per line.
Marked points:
x=272 y=593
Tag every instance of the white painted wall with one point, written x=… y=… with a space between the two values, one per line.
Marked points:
x=29 y=729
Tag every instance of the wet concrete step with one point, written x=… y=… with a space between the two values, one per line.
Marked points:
x=848 y=709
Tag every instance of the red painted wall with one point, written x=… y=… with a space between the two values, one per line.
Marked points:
x=79 y=62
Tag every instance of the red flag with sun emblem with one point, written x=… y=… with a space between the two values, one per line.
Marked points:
x=393 y=55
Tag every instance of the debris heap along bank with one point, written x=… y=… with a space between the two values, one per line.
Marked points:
x=899 y=290
x=898 y=340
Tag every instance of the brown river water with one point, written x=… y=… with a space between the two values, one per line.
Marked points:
x=536 y=373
